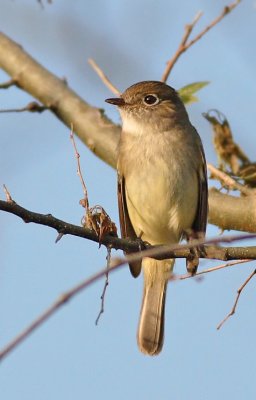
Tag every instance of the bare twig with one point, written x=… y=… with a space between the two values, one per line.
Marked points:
x=216 y=268
x=8 y=84
x=228 y=181
x=184 y=44
x=8 y=195
x=79 y=172
x=103 y=77
x=42 y=4
x=33 y=106
x=108 y=258
x=233 y=310
x=95 y=218
x=63 y=299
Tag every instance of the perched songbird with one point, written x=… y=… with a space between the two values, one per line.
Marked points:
x=162 y=190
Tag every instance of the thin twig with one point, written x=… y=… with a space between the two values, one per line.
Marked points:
x=108 y=258
x=79 y=172
x=233 y=310
x=184 y=44
x=103 y=77
x=63 y=299
x=33 y=106
x=228 y=181
x=189 y=28
x=95 y=218
x=9 y=198
x=206 y=271
x=8 y=84
x=41 y=2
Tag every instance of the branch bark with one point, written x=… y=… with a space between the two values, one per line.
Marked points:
x=159 y=252
x=90 y=123
x=230 y=212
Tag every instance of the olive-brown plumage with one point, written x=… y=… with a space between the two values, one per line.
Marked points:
x=162 y=190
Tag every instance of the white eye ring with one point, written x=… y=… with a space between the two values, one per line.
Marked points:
x=151 y=99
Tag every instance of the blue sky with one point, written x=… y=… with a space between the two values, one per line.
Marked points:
x=69 y=357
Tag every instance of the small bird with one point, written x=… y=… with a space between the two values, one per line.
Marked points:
x=162 y=190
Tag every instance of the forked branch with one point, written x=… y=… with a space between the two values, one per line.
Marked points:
x=239 y=291
x=185 y=44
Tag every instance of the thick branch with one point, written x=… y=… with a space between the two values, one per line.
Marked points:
x=230 y=212
x=90 y=124
x=159 y=252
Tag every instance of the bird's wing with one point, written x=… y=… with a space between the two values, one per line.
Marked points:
x=127 y=230
x=200 y=221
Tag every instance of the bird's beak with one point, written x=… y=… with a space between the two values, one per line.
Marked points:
x=117 y=101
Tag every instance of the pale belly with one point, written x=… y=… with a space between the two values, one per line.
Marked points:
x=161 y=202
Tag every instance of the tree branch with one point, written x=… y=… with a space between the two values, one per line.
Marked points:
x=239 y=291
x=206 y=271
x=65 y=297
x=229 y=182
x=103 y=77
x=159 y=252
x=8 y=84
x=102 y=297
x=33 y=106
x=184 y=44
x=61 y=301
x=225 y=211
x=90 y=124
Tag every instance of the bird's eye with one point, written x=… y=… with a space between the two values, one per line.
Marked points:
x=151 y=100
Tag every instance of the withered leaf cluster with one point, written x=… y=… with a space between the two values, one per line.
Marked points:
x=231 y=158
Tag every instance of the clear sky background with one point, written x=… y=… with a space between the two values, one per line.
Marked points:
x=69 y=357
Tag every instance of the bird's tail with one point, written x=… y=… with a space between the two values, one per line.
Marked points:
x=151 y=325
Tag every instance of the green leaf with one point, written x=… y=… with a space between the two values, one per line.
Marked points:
x=187 y=92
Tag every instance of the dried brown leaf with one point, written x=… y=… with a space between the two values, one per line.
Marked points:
x=99 y=221
x=230 y=155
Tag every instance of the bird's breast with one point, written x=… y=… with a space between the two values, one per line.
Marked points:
x=160 y=185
